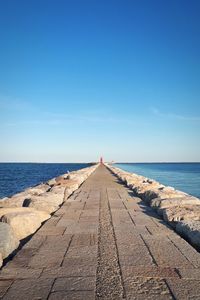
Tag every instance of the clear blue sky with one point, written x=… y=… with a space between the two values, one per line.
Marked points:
x=80 y=79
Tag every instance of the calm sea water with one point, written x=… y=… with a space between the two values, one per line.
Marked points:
x=15 y=177
x=182 y=176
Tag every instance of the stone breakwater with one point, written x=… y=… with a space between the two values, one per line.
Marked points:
x=22 y=214
x=180 y=210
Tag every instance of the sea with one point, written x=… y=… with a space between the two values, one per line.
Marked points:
x=15 y=177
x=182 y=176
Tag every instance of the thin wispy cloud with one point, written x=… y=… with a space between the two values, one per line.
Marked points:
x=54 y=118
x=32 y=123
x=88 y=117
x=9 y=103
x=69 y=120
x=158 y=113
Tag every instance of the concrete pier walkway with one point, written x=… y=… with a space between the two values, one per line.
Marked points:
x=103 y=244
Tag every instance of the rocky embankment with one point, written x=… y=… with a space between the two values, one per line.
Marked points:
x=180 y=210
x=22 y=214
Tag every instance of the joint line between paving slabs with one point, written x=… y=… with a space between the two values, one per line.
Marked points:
x=155 y=222
x=66 y=250
x=50 y=289
x=81 y=211
x=180 y=250
x=126 y=209
x=154 y=261
x=172 y=294
x=128 y=213
x=148 y=230
x=13 y=280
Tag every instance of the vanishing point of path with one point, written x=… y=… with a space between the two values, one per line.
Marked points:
x=103 y=244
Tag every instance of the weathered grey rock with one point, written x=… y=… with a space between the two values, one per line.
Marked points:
x=25 y=222
x=185 y=213
x=190 y=230
x=8 y=240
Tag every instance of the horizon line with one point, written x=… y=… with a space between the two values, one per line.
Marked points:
x=89 y=162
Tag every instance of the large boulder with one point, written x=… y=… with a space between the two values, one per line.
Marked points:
x=60 y=190
x=155 y=202
x=156 y=190
x=18 y=199
x=48 y=202
x=186 y=213
x=25 y=222
x=15 y=201
x=177 y=201
x=67 y=193
x=8 y=240
x=38 y=189
x=7 y=210
x=52 y=182
x=191 y=231
x=69 y=183
x=146 y=195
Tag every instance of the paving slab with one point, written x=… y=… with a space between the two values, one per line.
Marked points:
x=70 y=270
x=149 y=272
x=146 y=287
x=29 y=289
x=10 y=272
x=186 y=249
x=184 y=289
x=4 y=286
x=22 y=258
x=56 y=243
x=189 y=273
x=52 y=230
x=87 y=283
x=84 y=239
x=165 y=253
x=47 y=258
x=83 y=252
x=73 y=295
